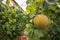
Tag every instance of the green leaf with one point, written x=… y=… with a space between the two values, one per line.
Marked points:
x=31 y=8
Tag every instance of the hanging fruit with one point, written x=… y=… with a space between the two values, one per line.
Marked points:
x=41 y=21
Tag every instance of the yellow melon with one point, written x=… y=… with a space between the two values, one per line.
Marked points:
x=41 y=21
